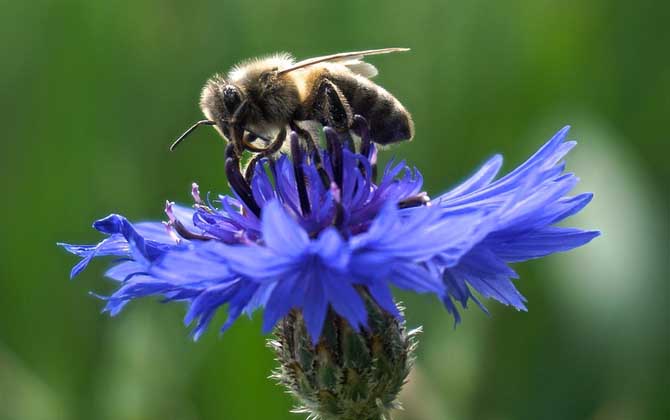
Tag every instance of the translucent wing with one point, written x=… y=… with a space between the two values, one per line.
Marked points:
x=362 y=68
x=353 y=60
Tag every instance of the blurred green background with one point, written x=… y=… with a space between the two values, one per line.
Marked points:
x=92 y=93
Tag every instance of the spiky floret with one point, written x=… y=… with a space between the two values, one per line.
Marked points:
x=347 y=375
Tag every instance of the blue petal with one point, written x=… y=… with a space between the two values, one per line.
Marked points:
x=281 y=233
x=315 y=308
x=183 y=214
x=345 y=300
x=256 y=262
x=282 y=300
x=425 y=234
x=200 y=263
x=331 y=249
x=125 y=270
x=480 y=179
x=259 y=298
x=520 y=209
x=541 y=242
x=239 y=302
x=416 y=278
x=146 y=248
x=381 y=293
x=207 y=303
x=489 y=276
x=261 y=186
x=154 y=231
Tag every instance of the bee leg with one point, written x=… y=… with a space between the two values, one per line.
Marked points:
x=362 y=130
x=237 y=137
x=251 y=167
x=270 y=149
x=299 y=173
x=273 y=148
x=248 y=140
x=301 y=132
x=247 y=143
x=276 y=144
x=315 y=151
x=331 y=108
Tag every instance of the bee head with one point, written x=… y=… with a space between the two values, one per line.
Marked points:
x=225 y=105
x=222 y=101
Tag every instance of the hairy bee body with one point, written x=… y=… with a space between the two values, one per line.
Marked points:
x=389 y=120
x=263 y=96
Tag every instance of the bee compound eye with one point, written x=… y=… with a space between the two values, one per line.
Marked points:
x=231 y=98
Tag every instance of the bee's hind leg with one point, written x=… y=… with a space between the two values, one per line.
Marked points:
x=330 y=107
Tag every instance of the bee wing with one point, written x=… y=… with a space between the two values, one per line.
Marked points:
x=362 y=68
x=353 y=60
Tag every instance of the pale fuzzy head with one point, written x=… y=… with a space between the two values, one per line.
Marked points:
x=254 y=93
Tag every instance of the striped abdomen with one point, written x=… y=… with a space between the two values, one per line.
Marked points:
x=389 y=120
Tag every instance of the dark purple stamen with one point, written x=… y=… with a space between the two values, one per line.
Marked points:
x=299 y=173
x=314 y=151
x=347 y=141
x=335 y=150
x=362 y=130
x=237 y=181
x=187 y=234
x=373 y=165
x=338 y=220
x=174 y=225
x=318 y=162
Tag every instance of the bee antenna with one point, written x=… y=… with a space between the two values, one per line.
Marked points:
x=189 y=131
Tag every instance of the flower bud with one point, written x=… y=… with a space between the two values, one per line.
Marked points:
x=348 y=375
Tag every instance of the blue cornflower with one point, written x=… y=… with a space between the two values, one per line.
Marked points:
x=312 y=230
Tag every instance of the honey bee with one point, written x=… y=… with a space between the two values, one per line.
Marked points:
x=261 y=97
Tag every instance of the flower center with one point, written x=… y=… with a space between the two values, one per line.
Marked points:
x=319 y=186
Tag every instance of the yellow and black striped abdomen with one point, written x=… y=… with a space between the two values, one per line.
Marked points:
x=389 y=120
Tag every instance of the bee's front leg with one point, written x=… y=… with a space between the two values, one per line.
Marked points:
x=237 y=138
x=273 y=148
x=330 y=107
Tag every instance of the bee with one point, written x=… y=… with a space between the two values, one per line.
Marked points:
x=261 y=97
